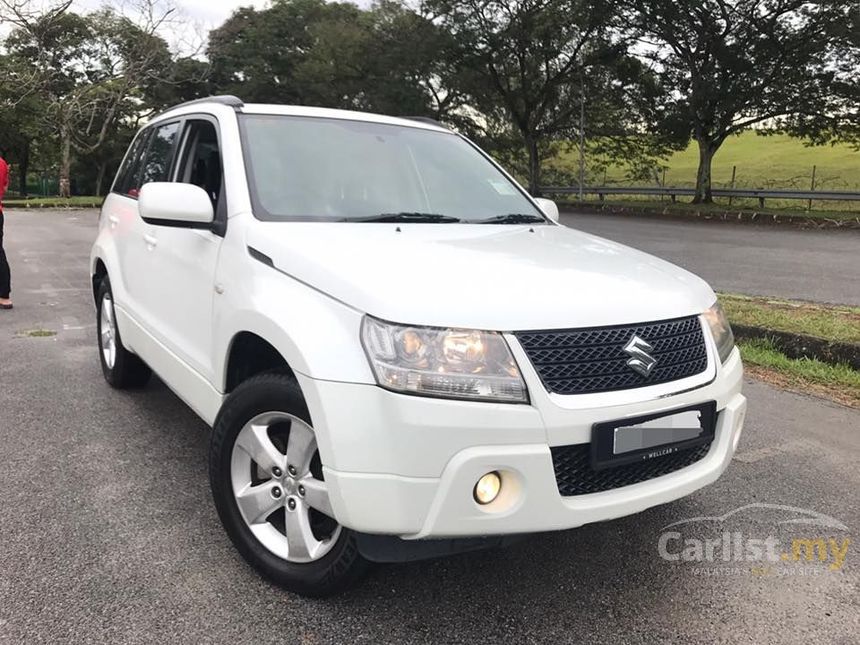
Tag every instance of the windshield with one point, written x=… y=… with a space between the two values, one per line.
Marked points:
x=307 y=168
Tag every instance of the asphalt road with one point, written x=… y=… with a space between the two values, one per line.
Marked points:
x=817 y=265
x=108 y=533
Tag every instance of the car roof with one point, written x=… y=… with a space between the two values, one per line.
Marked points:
x=216 y=105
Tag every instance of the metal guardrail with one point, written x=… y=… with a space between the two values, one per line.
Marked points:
x=673 y=192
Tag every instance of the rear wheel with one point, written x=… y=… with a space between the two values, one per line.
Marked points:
x=270 y=491
x=120 y=367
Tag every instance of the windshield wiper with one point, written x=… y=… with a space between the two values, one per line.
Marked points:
x=419 y=218
x=512 y=218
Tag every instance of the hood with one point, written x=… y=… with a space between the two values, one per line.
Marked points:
x=492 y=277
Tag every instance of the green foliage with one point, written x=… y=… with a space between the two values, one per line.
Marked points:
x=805 y=372
x=54 y=202
x=527 y=79
x=775 y=161
x=310 y=52
x=537 y=66
x=88 y=81
x=784 y=65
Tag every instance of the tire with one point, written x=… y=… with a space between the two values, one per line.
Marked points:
x=270 y=506
x=122 y=369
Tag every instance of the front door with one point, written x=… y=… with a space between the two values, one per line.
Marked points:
x=184 y=260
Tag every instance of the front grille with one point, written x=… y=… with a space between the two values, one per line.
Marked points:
x=582 y=361
x=575 y=476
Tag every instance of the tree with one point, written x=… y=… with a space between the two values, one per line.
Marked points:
x=735 y=64
x=408 y=65
x=257 y=54
x=335 y=54
x=20 y=108
x=92 y=71
x=544 y=62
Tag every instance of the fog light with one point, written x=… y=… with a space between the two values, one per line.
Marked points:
x=487 y=488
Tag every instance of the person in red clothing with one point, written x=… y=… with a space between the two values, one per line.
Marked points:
x=5 y=276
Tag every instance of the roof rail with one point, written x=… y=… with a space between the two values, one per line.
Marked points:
x=426 y=119
x=225 y=99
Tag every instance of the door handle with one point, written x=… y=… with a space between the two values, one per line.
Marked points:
x=114 y=220
x=151 y=241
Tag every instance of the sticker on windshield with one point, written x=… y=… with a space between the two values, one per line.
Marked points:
x=502 y=187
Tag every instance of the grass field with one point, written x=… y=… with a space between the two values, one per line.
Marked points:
x=776 y=161
x=835 y=323
x=764 y=359
x=837 y=382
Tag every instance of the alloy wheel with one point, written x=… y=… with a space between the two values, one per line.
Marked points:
x=279 y=487
x=108 y=332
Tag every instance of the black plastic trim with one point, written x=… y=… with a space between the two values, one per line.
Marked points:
x=261 y=257
x=390 y=548
x=602 y=437
x=175 y=223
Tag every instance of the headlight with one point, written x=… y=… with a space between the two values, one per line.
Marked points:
x=449 y=363
x=721 y=330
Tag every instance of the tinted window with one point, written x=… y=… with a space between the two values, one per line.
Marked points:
x=201 y=159
x=335 y=169
x=159 y=154
x=127 y=177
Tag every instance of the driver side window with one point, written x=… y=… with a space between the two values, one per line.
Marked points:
x=201 y=159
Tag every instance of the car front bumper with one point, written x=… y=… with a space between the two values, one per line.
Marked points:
x=406 y=465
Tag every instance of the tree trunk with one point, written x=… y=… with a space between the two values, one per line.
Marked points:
x=65 y=162
x=703 y=175
x=534 y=166
x=100 y=178
x=23 y=168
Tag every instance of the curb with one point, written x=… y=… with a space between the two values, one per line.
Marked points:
x=804 y=346
x=742 y=217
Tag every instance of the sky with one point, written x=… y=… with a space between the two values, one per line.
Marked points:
x=196 y=19
x=185 y=35
x=210 y=13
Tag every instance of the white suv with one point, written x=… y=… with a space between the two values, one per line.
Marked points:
x=401 y=353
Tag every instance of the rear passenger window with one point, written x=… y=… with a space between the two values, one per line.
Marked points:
x=159 y=154
x=127 y=178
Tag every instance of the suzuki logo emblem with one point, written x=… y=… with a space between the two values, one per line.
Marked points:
x=640 y=360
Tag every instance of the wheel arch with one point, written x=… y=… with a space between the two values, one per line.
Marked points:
x=250 y=354
x=311 y=338
x=98 y=273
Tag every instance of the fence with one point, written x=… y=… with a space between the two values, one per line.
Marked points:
x=673 y=193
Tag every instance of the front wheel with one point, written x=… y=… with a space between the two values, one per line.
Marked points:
x=120 y=367
x=270 y=491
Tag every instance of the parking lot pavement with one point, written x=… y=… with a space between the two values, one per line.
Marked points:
x=817 y=265
x=108 y=533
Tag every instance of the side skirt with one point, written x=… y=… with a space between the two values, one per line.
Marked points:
x=185 y=382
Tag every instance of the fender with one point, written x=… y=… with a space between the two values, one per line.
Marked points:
x=105 y=251
x=104 y=247
x=318 y=336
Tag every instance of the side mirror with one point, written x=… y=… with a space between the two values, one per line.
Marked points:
x=172 y=204
x=549 y=208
